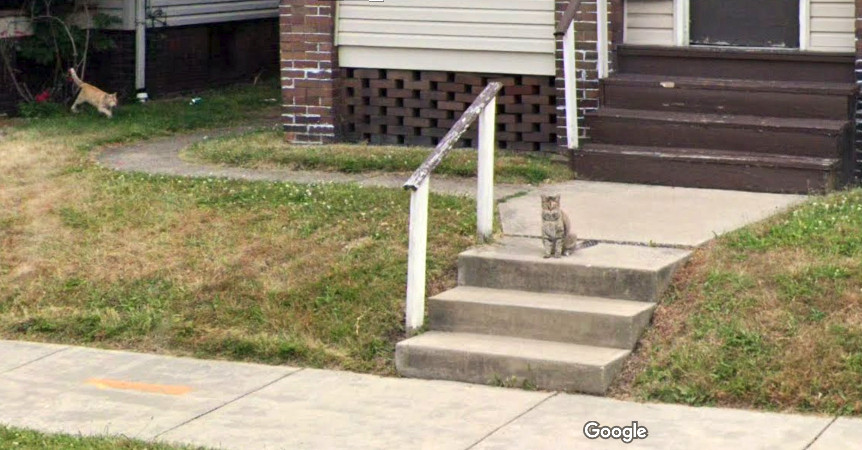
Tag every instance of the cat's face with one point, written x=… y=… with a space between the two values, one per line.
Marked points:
x=550 y=202
x=111 y=100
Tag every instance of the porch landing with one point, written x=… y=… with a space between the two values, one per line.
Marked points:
x=642 y=214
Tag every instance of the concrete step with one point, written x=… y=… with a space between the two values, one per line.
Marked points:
x=484 y=359
x=532 y=315
x=625 y=272
x=821 y=138
x=736 y=63
x=800 y=99
x=713 y=169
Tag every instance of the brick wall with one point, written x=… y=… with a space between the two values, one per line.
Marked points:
x=309 y=71
x=114 y=70
x=586 y=60
x=419 y=107
x=8 y=96
x=859 y=84
x=204 y=56
x=183 y=59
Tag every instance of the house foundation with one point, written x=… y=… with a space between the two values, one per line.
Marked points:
x=190 y=58
x=402 y=74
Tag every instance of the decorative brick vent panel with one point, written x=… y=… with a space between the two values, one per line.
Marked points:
x=407 y=107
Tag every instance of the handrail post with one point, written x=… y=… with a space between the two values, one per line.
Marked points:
x=416 y=257
x=602 y=44
x=570 y=76
x=485 y=188
x=483 y=108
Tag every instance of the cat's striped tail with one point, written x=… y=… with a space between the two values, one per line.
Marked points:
x=75 y=78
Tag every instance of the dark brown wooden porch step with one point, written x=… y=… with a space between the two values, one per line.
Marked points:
x=800 y=99
x=704 y=168
x=822 y=138
x=750 y=64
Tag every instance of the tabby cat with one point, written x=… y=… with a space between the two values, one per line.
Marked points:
x=101 y=100
x=557 y=234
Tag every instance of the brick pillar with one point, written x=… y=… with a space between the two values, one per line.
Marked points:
x=586 y=59
x=858 y=136
x=9 y=97
x=309 y=71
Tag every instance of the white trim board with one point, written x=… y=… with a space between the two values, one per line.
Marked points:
x=447 y=60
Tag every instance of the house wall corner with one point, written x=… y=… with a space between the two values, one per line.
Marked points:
x=858 y=68
x=586 y=61
x=309 y=71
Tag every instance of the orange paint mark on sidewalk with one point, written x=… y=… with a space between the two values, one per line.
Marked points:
x=140 y=387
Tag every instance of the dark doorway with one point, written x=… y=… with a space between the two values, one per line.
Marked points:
x=745 y=23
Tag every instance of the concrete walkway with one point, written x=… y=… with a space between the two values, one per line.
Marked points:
x=162 y=157
x=605 y=212
x=218 y=404
x=642 y=214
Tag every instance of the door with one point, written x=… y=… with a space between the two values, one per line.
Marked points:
x=745 y=23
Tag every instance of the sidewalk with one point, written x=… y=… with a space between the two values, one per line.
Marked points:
x=219 y=404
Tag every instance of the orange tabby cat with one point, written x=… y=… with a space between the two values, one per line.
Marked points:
x=100 y=99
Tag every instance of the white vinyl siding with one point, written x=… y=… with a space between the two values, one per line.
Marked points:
x=833 y=26
x=174 y=13
x=649 y=22
x=490 y=36
x=12 y=26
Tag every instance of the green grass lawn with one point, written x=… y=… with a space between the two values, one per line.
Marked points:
x=310 y=275
x=267 y=149
x=134 y=121
x=768 y=317
x=16 y=438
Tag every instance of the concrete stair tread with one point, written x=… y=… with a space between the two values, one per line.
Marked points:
x=716 y=156
x=602 y=255
x=549 y=301
x=713 y=169
x=815 y=126
x=736 y=63
x=735 y=84
x=734 y=53
x=512 y=347
x=626 y=272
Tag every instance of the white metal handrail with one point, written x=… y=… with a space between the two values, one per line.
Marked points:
x=485 y=109
x=566 y=29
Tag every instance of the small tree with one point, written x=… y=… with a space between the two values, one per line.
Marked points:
x=64 y=34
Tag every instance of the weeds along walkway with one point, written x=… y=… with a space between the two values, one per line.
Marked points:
x=162 y=157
